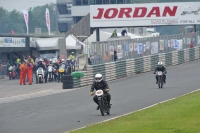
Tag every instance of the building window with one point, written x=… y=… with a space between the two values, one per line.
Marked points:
x=120 y=2
x=113 y=2
x=77 y=2
x=105 y=1
x=129 y=1
x=91 y=2
x=85 y=2
x=98 y=2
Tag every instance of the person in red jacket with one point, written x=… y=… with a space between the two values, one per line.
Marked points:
x=23 y=69
x=30 y=71
x=191 y=45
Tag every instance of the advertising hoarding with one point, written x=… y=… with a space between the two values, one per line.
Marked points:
x=177 y=13
x=12 y=42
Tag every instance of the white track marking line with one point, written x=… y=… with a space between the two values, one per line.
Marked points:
x=6 y=98
x=135 y=111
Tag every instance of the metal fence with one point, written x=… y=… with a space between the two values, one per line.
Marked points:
x=134 y=48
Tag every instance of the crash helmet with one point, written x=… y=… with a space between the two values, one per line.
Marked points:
x=63 y=61
x=160 y=64
x=50 y=61
x=98 y=77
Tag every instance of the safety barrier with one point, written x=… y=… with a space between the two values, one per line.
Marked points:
x=123 y=68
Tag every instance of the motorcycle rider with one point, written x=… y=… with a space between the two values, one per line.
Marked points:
x=98 y=84
x=65 y=67
x=40 y=64
x=55 y=67
x=49 y=64
x=160 y=67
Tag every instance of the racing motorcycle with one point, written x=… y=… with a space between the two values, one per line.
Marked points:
x=40 y=75
x=103 y=103
x=50 y=73
x=61 y=71
x=160 y=79
x=12 y=73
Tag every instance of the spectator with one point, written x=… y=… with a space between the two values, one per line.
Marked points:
x=107 y=57
x=72 y=57
x=30 y=72
x=17 y=59
x=23 y=58
x=124 y=32
x=115 y=56
x=89 y=61
x=23 y=70
x=191 y=45
x=30 y=59
x=114 y=34
x=58 y=60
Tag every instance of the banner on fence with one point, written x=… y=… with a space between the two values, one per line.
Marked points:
x=131 y=47
x=176 y=44
x=147 y=45
x=161 y=44
x=166 y=43
x=126 y=47
x=154 y=47
x=135 y=47
x=180 y=44
x=140 y=48
x=111 y=50
x=119 y=51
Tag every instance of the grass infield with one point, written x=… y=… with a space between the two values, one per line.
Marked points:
x=181 y=115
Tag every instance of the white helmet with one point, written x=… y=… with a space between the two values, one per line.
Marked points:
x=98 y=77
x=54 y=61
x=160 y=64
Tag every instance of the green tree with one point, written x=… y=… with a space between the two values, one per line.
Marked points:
x=14 y=20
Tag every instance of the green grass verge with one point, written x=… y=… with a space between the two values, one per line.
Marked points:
x=181 y=115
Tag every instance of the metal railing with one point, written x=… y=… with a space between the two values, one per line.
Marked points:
x=124 y=68
x=134 y=48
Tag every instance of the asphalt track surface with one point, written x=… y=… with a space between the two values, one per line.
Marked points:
x=70 y=109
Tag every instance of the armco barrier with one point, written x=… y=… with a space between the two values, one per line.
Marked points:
x=119 y=69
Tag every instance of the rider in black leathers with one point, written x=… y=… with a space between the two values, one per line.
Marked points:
x=160 y=67
x=98 y=84
x=40 y=64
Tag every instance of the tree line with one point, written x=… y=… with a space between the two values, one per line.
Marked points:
x=14 y=20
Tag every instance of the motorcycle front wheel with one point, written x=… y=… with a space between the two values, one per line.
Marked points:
x=101 y=108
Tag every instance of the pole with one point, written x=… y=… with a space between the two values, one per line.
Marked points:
x=195 y=28
x=97 y=35
x=56 y=13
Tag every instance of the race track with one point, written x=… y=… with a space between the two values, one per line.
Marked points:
x=60 y=112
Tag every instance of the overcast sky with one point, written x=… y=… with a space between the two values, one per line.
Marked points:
x=23 y=4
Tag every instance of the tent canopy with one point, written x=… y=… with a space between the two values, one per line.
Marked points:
x=53 y=43
x=47 y=44
x=73 y=43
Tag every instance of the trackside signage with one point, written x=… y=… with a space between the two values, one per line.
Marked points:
x=180 y=13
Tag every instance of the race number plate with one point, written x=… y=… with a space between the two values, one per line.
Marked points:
x=99 y=92
x=159 y=73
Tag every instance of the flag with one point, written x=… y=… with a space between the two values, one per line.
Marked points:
x=25 y=12
x=48 y=20
x=12 y=31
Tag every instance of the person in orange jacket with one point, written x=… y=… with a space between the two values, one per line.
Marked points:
x=30 y=71
x=23 y=69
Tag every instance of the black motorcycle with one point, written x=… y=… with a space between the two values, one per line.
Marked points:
x=160 y=79
x=103 y=103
